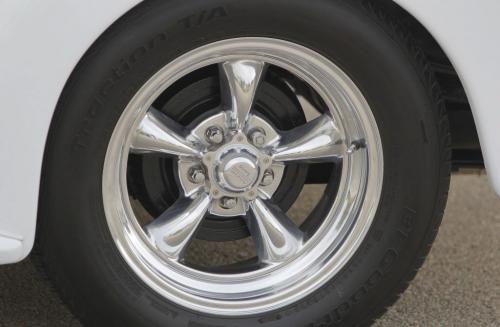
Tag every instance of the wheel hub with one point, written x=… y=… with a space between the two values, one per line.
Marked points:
x=237 y=171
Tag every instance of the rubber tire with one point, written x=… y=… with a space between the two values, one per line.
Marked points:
x=77 y=249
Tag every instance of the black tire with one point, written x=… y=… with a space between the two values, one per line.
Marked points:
x=77 y=249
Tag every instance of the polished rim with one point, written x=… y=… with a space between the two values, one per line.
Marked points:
x=231 y=164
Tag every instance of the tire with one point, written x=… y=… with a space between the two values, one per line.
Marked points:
x=77 y=247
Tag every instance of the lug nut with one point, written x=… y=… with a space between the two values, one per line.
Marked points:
x=197 y=175
x=215 y=135
x=258 y=138
x=228 y=203
x=268 y=178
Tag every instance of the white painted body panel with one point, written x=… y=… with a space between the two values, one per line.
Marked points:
x=42 y=41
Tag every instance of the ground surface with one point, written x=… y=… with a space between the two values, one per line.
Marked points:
x=459 y=284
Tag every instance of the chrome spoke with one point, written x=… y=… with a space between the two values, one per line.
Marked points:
x=158 y=133
x=276 y=236
x=174 y=229
x=317 y=141
x=240 y=80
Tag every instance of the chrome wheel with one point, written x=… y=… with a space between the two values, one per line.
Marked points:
x=231 y=164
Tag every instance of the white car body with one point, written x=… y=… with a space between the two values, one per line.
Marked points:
x=42 y=42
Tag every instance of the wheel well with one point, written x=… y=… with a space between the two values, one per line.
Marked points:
x=466 y=150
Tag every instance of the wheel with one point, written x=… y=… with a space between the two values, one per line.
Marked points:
x=194 y=123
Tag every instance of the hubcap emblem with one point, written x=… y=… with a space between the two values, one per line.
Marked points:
x=240 y=173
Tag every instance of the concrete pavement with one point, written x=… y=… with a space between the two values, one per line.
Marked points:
x=459 y=284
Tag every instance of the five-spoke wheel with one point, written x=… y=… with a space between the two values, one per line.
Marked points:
x=231 y=163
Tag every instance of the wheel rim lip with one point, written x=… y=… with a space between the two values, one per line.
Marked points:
x=249 y=293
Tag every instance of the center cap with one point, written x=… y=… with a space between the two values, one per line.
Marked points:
x=240 y=172
x=238 y=169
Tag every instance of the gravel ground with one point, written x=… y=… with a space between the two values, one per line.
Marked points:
x=459 y=284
